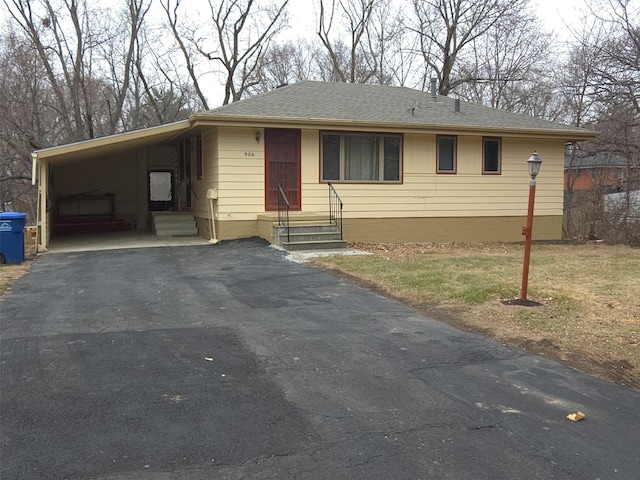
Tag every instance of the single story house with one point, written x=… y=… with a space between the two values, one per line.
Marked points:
x=408 y=166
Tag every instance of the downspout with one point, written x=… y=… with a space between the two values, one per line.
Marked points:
x=212 y=195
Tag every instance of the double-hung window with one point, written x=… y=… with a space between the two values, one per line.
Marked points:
x=447 y=153
x=491 y=156
x=361 y=157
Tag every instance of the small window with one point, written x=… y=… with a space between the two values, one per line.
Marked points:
x=491 y=155
x=361 y=157
x=447 y=154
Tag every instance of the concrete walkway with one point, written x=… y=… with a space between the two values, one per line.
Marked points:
x=229 y=361
x=91 y=242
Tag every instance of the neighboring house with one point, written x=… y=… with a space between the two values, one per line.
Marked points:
x=623 y=205
x=409 y=166
x=605 y=173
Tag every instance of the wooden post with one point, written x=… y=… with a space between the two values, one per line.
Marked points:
x=527 y=232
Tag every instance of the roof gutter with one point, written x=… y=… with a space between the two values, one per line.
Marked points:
x=227 y=120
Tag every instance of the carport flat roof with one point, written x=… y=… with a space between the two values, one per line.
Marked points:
x=111 y=144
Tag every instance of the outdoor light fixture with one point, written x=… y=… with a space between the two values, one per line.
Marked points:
x=258 y=135
x=534 y=163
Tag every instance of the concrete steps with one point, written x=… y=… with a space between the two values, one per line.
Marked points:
x=174 y=224
x=310 y=236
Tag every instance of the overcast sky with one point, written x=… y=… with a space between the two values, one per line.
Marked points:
x=555 y=14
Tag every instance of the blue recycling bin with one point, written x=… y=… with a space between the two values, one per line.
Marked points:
x=12 y=237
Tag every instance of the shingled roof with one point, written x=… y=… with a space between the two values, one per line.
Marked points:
x=602 y=159
x=323 y=102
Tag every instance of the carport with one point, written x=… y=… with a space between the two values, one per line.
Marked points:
x=111 y=184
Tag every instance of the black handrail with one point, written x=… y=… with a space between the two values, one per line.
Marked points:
x=335 y=208
x=283 y=210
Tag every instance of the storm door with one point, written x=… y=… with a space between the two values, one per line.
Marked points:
x=282 y=166
x=161 y=191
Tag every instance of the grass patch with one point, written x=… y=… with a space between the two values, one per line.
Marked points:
x=434 y=278
x=10 y=274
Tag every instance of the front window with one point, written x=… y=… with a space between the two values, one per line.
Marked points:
x=355 y=157
x=447 y=147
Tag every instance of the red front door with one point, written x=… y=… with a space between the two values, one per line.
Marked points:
x=282 y=166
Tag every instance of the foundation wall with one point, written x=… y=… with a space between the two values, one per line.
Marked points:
x=404 y=230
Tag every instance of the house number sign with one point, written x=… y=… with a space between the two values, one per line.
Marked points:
x=249 y=154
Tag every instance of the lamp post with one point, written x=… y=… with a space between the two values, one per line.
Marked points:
x=534 y=163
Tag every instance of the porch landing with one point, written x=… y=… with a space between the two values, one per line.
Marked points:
x=308 y=231
x=310 y=217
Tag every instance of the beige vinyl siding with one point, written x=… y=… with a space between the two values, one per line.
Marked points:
x=241 y=173
x=239 y=177
x=424 y=193
x=314 y=194
x=210 y=173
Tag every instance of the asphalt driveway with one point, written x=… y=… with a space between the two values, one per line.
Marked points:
x=229 y=361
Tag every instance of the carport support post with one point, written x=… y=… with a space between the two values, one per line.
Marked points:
x=42 y=221
x=534 y=163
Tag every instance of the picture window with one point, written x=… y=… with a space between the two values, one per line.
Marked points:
x=361 y=157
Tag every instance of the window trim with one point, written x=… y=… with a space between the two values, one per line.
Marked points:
x=492 y=172
x=455 y=154
x=381 y=136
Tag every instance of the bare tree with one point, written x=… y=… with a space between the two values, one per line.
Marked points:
x=607 y=62
x=68 y=36
x=29 y=119
x=348 y=55
x=185 y=39
x=120 y=51
x=234 y=41
x=287 y=62
x=446 y=28
x=160 y=90
x=508 y=66
x=389 y=44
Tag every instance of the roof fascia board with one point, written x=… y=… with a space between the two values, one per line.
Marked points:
x=251 y=121
x=176 y=127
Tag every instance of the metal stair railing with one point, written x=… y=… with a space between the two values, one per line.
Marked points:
x=335 y=208
x=283 y=211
